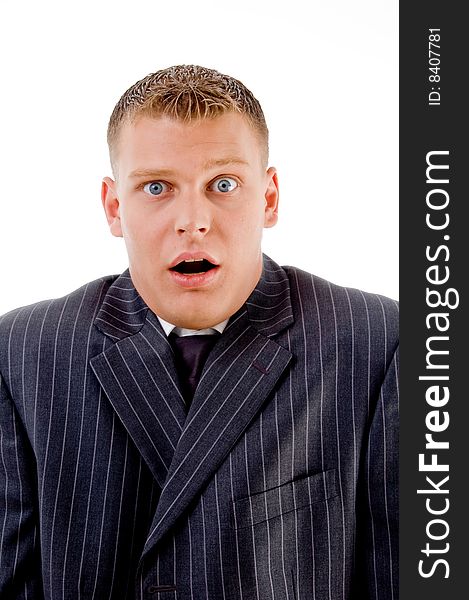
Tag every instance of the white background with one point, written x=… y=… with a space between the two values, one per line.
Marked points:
x=325 y=73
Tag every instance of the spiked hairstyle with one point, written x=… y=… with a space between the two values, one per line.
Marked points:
x=186 y=93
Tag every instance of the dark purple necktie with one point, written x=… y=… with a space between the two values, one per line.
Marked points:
x=191 y=352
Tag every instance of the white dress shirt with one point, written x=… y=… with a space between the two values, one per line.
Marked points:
x=181 y=331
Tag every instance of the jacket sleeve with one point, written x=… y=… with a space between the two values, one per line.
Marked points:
x=377 y=541
x=20 y=570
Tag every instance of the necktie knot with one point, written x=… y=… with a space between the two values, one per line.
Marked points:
x=191 y=352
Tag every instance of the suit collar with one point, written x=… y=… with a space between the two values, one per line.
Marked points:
x=124 y=312
x=269 y=305
x=138 y=375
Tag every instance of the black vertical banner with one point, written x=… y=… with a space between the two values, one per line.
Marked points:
x=434 y=162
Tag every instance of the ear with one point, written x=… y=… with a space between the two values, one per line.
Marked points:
x=271 y=198
x=111 y=206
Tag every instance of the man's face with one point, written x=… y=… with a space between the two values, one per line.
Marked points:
x=185 y=192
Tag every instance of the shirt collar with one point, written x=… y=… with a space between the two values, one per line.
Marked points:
x=181 y=331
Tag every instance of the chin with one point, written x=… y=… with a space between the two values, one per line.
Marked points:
x=184 y=316
x=199 y=323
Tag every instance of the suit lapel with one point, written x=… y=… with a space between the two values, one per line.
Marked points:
x=138 y=375
x=241 y=371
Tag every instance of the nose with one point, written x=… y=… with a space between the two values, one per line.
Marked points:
x=193 y=215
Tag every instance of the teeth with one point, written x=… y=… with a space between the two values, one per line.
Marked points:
x=193 y=260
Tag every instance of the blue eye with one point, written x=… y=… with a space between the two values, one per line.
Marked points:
x=155 y=188
x=224 y=184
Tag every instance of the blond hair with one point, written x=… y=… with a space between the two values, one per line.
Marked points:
x=187 y=93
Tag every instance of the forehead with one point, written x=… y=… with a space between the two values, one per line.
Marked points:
x=148 y=140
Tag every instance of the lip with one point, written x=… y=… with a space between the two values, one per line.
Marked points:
x=193 y=256
x=194 y=281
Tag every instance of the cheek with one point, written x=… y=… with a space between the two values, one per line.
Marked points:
x=139 y=226
x=251 y=224
x=143 y=243
x=245 y=236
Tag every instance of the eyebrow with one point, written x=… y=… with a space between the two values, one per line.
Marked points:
x=222 y=162
x=210 y=164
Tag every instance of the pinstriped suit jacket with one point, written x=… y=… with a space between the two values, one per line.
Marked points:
x=280 y=482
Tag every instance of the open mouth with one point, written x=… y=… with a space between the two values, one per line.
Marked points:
x=193 y=266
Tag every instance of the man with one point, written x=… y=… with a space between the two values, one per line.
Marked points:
x=208 y=424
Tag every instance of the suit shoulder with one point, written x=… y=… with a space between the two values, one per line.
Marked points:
x=46 y=315
x=350 y=310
